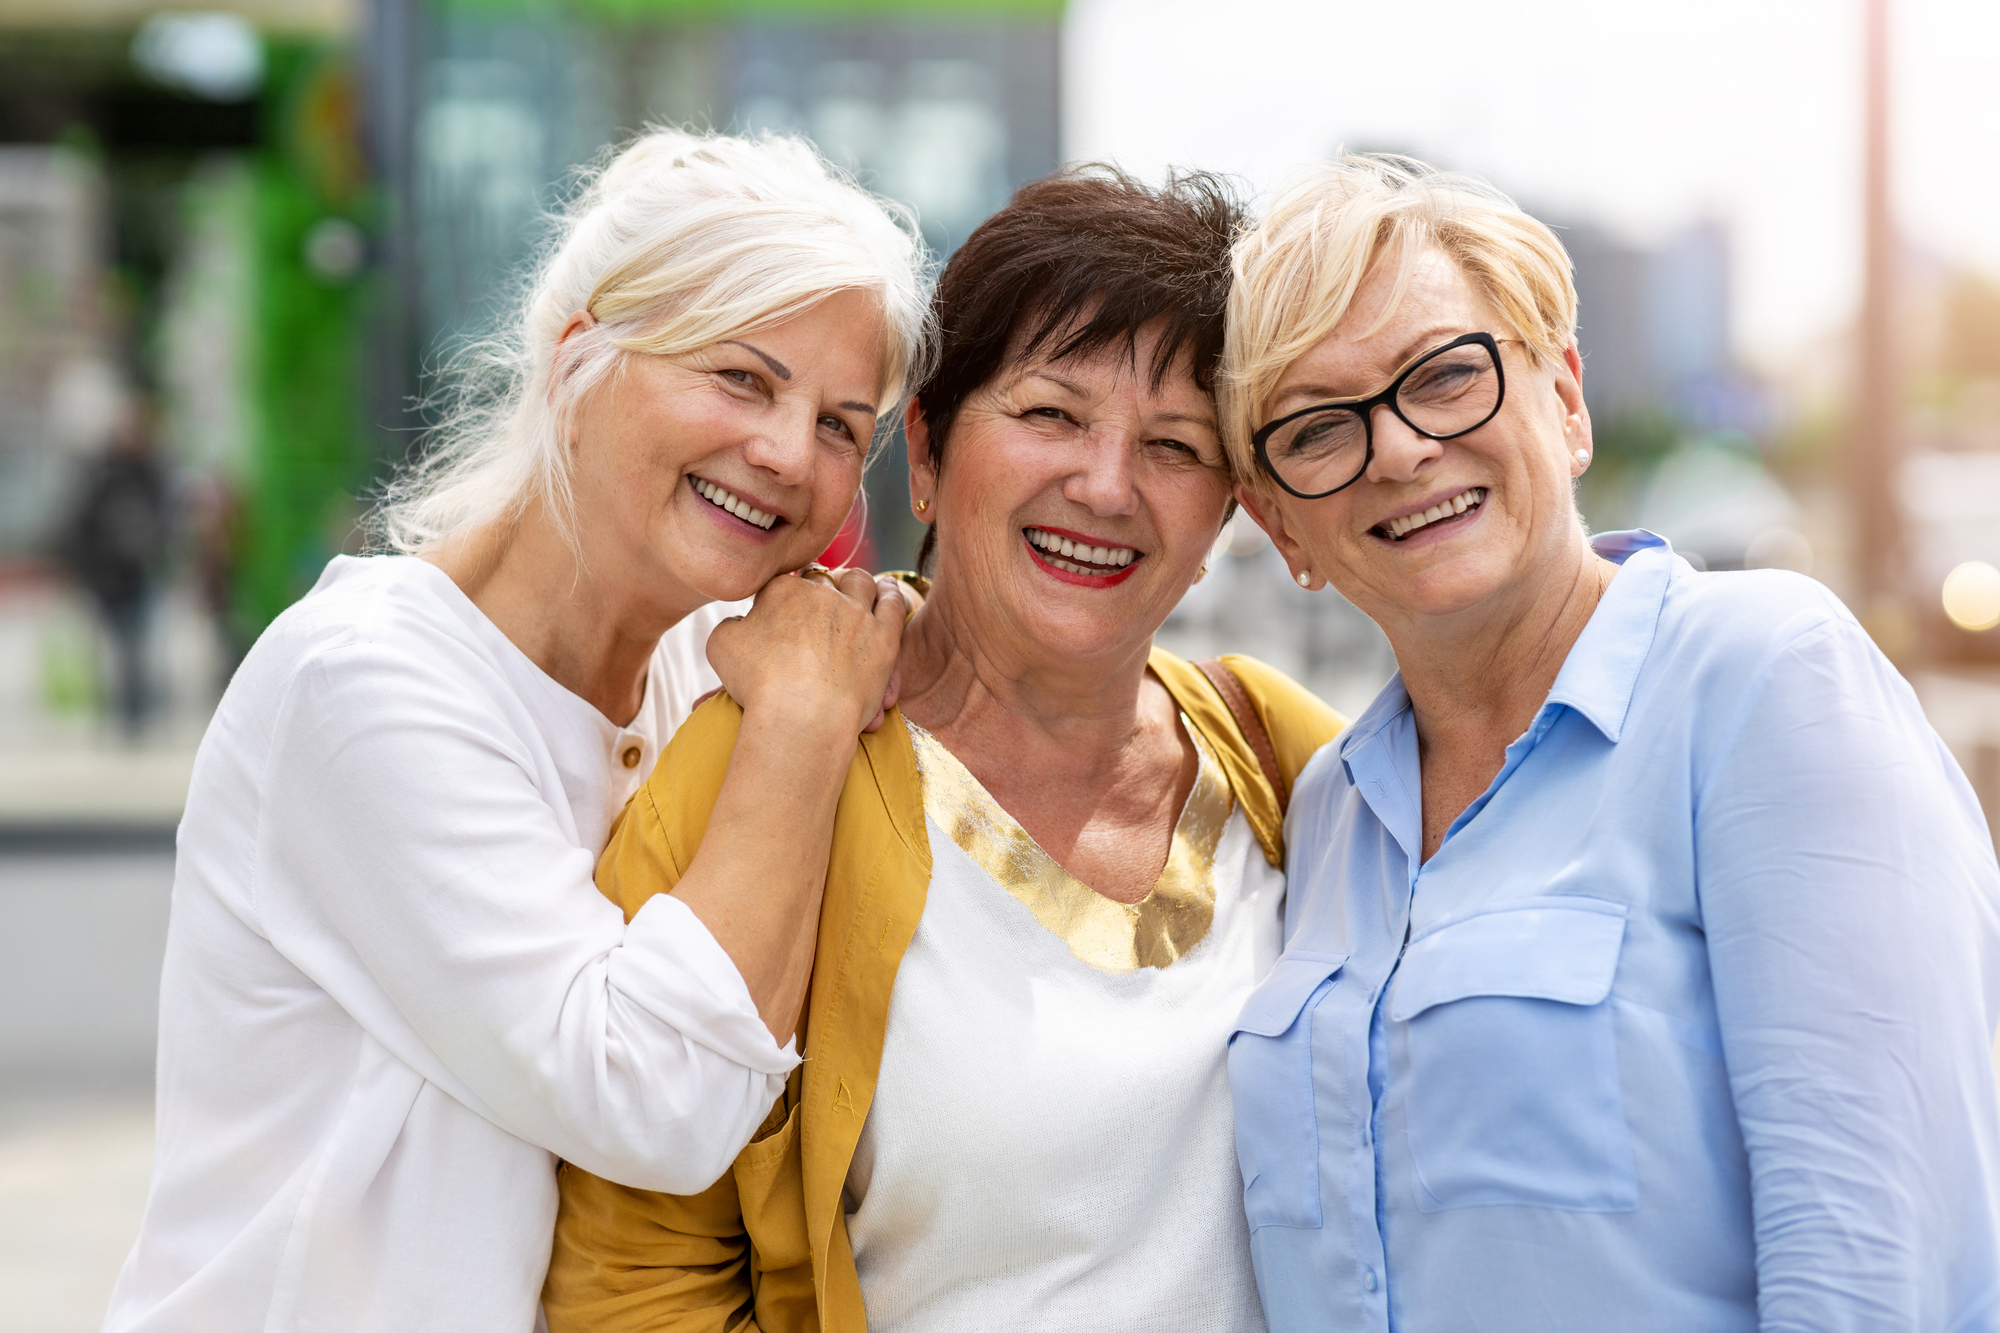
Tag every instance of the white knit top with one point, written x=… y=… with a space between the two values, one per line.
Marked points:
x=1050 y=1144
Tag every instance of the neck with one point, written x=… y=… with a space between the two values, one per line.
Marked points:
x=1489 y=670
x=981 y=694
x=573 y=624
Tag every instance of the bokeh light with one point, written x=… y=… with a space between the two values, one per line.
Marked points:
x=1972 y=595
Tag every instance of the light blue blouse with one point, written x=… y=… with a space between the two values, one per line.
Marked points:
x=1687 y=1025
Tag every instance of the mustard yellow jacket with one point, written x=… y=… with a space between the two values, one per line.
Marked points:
x=765 y=1248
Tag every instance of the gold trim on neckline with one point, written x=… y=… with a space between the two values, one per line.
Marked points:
x=1114 y=937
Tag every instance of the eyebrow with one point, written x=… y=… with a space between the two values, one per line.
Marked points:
x=1069 y=386
x=869 y=408
x=1424 y=341
x=778 y=367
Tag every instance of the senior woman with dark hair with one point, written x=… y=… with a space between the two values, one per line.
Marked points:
x=1643 y=945
x=1054 y=876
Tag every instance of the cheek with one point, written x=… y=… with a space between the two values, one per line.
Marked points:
x=836 y=482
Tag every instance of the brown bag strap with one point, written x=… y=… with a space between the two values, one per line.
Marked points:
x=1231 y=689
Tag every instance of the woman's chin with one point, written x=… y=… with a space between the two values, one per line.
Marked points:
x=1447 y=589
x=732 y=576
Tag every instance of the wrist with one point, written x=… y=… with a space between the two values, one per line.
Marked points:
x=807 y=726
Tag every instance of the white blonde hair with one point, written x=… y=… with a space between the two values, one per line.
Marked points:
x=1297 y=271
x=677 y=242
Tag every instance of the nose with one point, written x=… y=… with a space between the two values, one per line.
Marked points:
x=785 y=446
x=1103 y=480
x=1400 y=453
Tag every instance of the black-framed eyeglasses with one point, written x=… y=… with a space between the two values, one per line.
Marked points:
x=1445 y=393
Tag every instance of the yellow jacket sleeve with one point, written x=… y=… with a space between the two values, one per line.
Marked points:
x=765 y=1247
x=628 y=1259
x=631 y=1259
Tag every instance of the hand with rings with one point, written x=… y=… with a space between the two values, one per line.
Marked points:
x=820 y=647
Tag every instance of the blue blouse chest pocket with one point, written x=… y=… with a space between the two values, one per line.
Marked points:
x=1511 y=1090
x=1271 y=1081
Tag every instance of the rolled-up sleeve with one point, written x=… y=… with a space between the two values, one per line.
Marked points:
x=410 y=863
x=1852 y=910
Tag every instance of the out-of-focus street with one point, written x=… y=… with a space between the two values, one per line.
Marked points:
x=238 y=239
x=81 y=937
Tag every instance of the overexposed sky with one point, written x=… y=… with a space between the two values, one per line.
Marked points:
x=1640 y=115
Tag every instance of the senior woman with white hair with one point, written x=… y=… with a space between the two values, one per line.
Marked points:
x=393 y=997
x=1643 y=941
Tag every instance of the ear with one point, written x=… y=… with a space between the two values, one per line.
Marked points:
x=923 y=476
x=1576 y=414
x=1265 y=512
x=578 y=322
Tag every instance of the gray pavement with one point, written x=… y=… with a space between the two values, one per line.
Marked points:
x=82 y=934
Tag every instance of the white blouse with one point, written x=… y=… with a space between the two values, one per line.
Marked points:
x=393 y=997
x=1050 y=1146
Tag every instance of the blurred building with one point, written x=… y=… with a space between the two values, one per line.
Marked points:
x=480 y=111
x=1655 y=327
x=209 y=267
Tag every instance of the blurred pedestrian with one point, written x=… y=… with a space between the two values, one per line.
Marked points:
x=213 y=515
x=115 y=544
x=1643 y=950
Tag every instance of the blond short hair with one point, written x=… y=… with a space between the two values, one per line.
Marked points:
x=677 y=242
x=1297 y=271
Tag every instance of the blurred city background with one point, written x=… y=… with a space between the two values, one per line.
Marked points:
x=235 y=238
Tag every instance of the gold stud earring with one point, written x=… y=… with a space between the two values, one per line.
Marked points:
x=923 y=505
x=1306 y=578
x=1201 y=574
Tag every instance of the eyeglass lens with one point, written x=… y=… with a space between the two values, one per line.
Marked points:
x=1448 y=394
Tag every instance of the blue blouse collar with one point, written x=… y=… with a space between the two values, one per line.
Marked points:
x=1602 y=670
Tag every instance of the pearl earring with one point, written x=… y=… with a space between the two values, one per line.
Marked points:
x=1583 y=455
x=1305 y=578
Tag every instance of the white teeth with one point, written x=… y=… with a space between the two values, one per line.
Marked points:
x=1113 y=557
x=1467 y=499
x=734 y=504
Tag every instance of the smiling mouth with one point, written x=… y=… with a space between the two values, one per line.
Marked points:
x=733 y=503
x=1075 y=557
x=1396 y=529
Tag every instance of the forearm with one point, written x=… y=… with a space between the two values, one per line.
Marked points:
x=757 y=878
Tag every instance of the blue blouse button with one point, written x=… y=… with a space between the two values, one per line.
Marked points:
x=1368 y=1278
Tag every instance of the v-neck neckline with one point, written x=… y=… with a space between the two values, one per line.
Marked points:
x=1110 y=936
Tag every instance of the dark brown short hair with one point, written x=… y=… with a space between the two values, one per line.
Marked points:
x=1076 y=262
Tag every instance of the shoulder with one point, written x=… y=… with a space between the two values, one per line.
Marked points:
x=1768 y=659
x=375 y=632
x=1284 y=704
x=1719 y=631
x=1300 y=723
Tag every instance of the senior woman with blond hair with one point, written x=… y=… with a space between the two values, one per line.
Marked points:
x=1643 y=941
x=393 y=997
